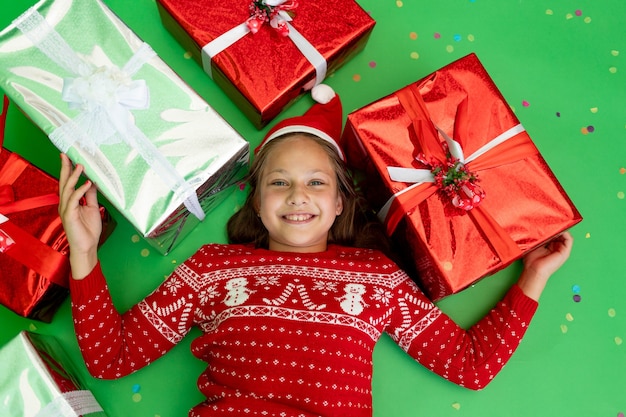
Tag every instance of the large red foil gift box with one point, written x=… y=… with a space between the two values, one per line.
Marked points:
x=411 y=145
x=34 y=263
x=263 y=72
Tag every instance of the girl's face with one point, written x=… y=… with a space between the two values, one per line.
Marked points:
x=297 y=196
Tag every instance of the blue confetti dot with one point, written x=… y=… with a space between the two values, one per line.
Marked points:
x=457 y=38
x=576 y=289
x=136 y=388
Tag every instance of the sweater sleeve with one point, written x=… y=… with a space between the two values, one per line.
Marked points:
x=470 y=358
x=113 y=344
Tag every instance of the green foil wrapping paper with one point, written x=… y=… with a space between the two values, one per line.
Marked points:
x=37 y=380
x=180 y=133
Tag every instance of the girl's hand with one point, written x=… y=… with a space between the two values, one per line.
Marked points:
x=542 y=262
x=81 y=219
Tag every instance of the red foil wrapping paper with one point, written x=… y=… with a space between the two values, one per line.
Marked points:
x=447 y=249
x=34 y=266
x=264 y=72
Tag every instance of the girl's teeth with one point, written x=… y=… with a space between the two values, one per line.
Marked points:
x=298 y=217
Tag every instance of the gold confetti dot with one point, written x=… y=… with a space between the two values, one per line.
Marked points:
x=470 y=37
x=622 y=170
x=447 y=265
x=32 y=327
x=588 y=235
x=549 y=12
x=611 y=312
x=399 y=3
x=620 y=195
x=614 y=52
x=593 y=110
x=613 y=70
x=450 y=48
x=413 y=35
x=564 y=328
x=569 y=317
x=134 y=238
x=174 y=261
x=415 y=55
x=356 y=78
x=136 y=397
x=456 y=406
x=618 y=340
x=187 y=55
x=584 y=130
x=569 y=16
x=587 y=19
x=145 y=252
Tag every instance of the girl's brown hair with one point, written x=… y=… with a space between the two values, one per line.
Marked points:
x=355 y=226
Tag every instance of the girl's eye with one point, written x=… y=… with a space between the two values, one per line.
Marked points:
x=279 y=183
x=316 y=182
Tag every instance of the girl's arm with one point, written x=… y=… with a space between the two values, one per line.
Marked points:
x=473 y=357
x=112 y=345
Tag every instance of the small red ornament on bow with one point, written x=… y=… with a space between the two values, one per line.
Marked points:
x=274 y=12
x=457 y=182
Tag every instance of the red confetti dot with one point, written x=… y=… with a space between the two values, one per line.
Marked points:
x=525 y=103
x=578 y=12
x=437 y=35
x=372 y=64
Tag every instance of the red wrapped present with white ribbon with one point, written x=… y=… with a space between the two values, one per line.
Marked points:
x=266 y=53
x=457 y=179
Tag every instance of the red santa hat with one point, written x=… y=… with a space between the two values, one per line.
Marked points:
x=323 y=119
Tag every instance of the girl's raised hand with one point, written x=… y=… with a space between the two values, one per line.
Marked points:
x=81 y=218
x=542 y=262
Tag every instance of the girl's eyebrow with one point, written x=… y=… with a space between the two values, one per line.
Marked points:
x=310 y=172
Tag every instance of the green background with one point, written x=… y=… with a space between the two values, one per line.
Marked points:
x=561 y=65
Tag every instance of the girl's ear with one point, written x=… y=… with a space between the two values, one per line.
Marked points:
x=339 y=205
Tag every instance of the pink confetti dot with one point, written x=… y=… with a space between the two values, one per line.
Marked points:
x=578 y=12
x=437 y=35
x=620 y=414
x=525 y=103
x=372 y=64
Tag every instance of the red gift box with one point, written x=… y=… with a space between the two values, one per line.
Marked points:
x=34 y=266
x=413 y=135
x=264 y=72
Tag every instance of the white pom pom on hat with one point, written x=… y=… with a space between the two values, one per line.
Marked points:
x=324 y=119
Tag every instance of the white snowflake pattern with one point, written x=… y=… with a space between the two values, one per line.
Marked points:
x=267 y=280
x=325 y=286
x=381 y=295
x=209 y=294
x=173 y=285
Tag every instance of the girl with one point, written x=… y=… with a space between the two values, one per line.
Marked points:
x=290 y=311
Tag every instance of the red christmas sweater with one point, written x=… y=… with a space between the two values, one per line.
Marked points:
x=291 y=334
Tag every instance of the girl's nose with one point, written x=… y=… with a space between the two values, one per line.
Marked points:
x=298 y=196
